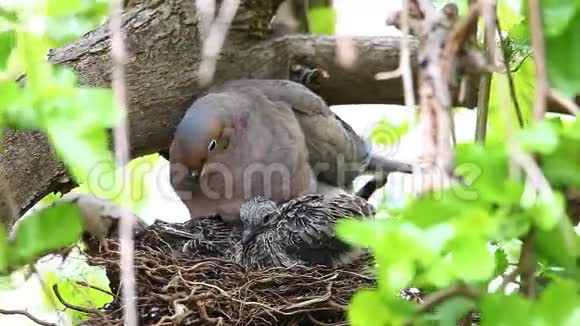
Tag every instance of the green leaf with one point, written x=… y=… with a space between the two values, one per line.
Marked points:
x=7 y=43
x=539 y=137
x=548 y=210
x=559 y=304
x=471 y=260
x=501 y=261
x=561 y=53
x=508 y=16
x=62 y=7
x=450 y=311
x=557 y=15
x=562 y=166
x=49 y=229
x=364 y=302
x=82 y=152
x=524 y=84
x=359 y=233
x=322 y=20
x=4 y=262
x=560 y=246
x=369 y=307
x=502 y=310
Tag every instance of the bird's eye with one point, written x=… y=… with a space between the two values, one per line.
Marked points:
x=267 y=218
x=212 y=145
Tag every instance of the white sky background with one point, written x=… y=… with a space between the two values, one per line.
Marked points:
x=355 y=17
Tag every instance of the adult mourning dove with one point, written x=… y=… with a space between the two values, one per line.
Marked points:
x=234 y=145
x=301 y=231
x=270 y=122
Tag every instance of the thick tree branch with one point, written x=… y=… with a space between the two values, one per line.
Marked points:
x=164 y=53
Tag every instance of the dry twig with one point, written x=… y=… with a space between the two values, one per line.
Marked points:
x=121 y=138
x=208 y=290
x=27 y=315
x=542 y=87
x=458 y=290
x=71 y=306
x=564 y=102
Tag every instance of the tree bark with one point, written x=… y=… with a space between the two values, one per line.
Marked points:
x=164 y=46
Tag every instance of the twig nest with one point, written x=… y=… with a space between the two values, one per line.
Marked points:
x=178 y=288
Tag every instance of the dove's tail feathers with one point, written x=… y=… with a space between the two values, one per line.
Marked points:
x=381 y=164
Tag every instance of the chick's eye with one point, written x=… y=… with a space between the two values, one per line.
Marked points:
x=267 y=218
x=212 y=145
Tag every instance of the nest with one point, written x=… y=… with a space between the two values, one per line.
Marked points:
x=174 y=289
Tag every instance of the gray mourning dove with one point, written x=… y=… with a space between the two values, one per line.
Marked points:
x=301 y=231
x=234 y=145
x=264 y=124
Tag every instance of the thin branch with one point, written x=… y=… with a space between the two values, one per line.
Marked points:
x=94 y=287
x=216 y=36
x=482 y=107
x=539 y=58
x=27 y=315
x=506 y=62
x=562 y=101
x=71 y=306
x=121 y=138
x=527 y=265
x=509 y=278
x=457 y=290
x=405 y=60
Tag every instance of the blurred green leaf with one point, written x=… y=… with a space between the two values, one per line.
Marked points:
x=548 y=210
x=359 y=233
x=557 y=15
x=62 y=7
x=503 y=310
x=4 y=261
x=7 y=43
x=449 y=312
x=560 y=246
x=539 y=137
x=322 y=20
x=471 y=260
x=385 y=311
x=561 y=53
x=49 y=229
x=507 y=16
x=82 y=152
x=558 y=304
x=364 y=301
x=562 y=166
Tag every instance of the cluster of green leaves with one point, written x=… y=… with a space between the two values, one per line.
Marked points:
x=469 y=234
x=31 y=239
x=37 y=95
x=444 y=238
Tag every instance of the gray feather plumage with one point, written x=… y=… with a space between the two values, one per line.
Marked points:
x=303 y=232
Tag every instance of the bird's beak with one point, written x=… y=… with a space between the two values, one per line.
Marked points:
x=197 y=175
x=248 y=234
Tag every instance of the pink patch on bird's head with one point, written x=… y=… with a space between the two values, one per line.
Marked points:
x=241 y=122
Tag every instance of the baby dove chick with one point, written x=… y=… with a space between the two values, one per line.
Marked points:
x=301 y=231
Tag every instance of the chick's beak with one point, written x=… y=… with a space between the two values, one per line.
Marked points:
x=248 y=234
